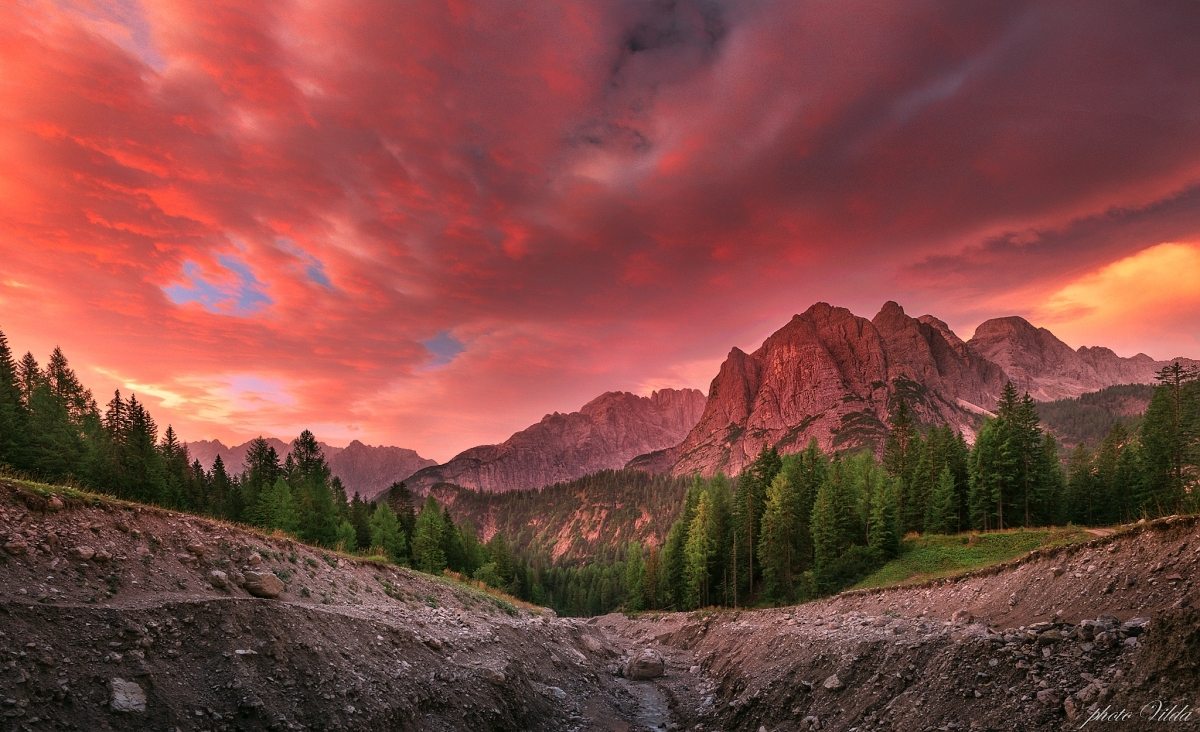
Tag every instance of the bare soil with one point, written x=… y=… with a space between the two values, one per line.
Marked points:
x=117 y=616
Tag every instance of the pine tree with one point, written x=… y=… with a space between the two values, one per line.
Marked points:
x=747 y=517
x=1170 y=436
x=29 y=374
x=1081 y=488
x=635 y=575
x=884 y=539
x=942 y=516
x=452 y=544
x=259 y=473
x=347 y=539
x=14 y=419
x=226 y=497
x=278 y=507
x=386 y=536
x=901 y=455
x=698 y=554
x=428 y=555
x=674 y=559
x=651 y=579
x=777 y=541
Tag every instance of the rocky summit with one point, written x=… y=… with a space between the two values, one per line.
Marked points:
x=835 y=377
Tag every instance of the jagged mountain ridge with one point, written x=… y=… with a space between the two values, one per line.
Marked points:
x=604 y=434
x=367 y=470
x=835 y=376
x=1038 y=362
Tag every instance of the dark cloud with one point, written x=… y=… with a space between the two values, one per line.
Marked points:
x=581 y=196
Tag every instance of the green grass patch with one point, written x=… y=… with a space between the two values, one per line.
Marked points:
x=930 y=557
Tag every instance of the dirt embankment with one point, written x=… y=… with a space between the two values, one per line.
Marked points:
x=116 y=616
x=1040 y=644
x=127 y=617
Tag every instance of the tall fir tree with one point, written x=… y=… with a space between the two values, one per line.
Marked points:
x=942 y=515
x=777 y=540
x=14 y=419
x=427 y=552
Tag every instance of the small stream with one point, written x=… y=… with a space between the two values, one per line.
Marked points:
x=653 y=713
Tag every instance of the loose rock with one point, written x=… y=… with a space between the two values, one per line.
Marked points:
x=263 y=584
x=127 y=696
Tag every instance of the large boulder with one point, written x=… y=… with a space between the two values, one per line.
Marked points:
x=263 y=584
x=645 y=664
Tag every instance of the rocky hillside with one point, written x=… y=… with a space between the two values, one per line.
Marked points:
x=118 y=616
x=1038 y=362
x=364 y=469
x=590 y=518
x=604 y=434
x=834 y=376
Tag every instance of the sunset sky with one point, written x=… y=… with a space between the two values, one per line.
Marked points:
x=427 y=224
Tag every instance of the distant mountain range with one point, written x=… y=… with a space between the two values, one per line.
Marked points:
x=604 y=434
x=827 y=374
x=364 y=469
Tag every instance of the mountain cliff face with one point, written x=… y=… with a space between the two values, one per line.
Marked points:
x=364 y=469
x=1038 y=362
x=604 y=434
x=832 y=375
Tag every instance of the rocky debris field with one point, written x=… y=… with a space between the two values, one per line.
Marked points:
x=1039 y=644
x=117 y=616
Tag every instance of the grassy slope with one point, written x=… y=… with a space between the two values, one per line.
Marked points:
x=923 y=558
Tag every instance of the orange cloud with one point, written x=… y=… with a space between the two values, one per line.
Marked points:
x=1136 y=302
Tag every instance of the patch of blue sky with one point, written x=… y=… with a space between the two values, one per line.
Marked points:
x=243 y=295
x=443 y=347
x=314 y=269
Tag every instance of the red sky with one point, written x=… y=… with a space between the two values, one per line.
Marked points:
x=429 y=223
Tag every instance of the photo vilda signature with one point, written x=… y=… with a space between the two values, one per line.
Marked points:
x=1155 y=711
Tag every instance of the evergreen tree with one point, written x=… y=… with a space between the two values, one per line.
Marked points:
x=278 y=507
x=347 y=538
x=747 y=517
x=884 y=538
x=674 y=557
x=942 y=516
x=452 y=545
x=260 y=472
x=1081 y=488
x=1170 y=436
x=386 y=535
x=698 y=555
x=14 y=419
x=29 y=374
x=777 y=540
x=427 y=552
x=901 y=456
x=226 y=497
x=635 y=576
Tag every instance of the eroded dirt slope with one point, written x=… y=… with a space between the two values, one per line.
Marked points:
x=116 y=616
x=1039 y=644
x=127 y=617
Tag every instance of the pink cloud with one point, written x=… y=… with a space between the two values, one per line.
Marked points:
x=586 y=197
